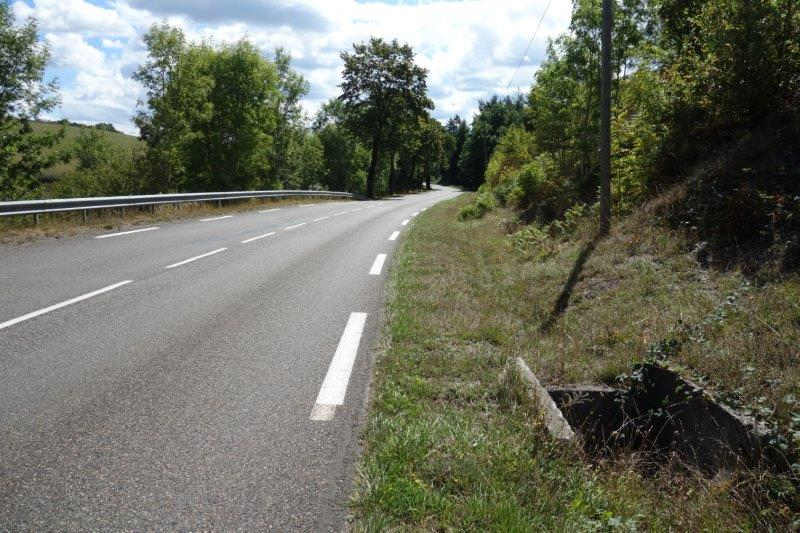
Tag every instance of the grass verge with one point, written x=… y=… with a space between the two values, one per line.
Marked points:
x=447 y=449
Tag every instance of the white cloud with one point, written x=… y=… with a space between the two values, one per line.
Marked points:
x=75 y=16
x=471 y=48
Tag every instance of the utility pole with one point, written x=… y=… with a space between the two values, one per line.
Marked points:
x=605 y=119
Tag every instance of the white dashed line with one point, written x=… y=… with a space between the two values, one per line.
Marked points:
x=377 y=265
x=270 y=210
x=251 y=239
x=334 y=387
x=404 y=223
x=107 y=235
x=212 y=219
x=340 y=213
x=423 y=209
x=414 y=214
x=287 y=228
x=394 y=235
x=195 y=258
x=321 y=218
x=40 y=312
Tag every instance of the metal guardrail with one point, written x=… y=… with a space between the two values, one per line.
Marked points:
x=37 y=207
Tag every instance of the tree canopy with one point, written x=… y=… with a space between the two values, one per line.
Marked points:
x=383 y=90
x=23 y=95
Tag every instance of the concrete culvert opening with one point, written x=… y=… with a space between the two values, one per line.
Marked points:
x=664 y=416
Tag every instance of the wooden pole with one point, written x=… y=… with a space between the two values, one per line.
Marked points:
x=605 y=119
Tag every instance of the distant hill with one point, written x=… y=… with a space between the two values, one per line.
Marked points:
x=71 y=132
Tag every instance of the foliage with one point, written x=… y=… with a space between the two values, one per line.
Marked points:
x=456 y=135
x=383 y=90
x=483 y=202
x=289 y=136
x=211 y=113
x=101 y=169
x=23 y=95
x=704 y=92
x=493 y=118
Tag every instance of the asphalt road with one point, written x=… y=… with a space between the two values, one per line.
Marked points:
x=140 y=390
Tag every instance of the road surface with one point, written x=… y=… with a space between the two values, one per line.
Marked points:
x=204 y=374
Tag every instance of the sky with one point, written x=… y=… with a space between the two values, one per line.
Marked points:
x=471 y=48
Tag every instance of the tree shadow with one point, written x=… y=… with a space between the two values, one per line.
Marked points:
x=563 y=299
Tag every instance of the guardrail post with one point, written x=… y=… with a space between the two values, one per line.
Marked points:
x=219 y=203
x=85 y=216
x=36 y=219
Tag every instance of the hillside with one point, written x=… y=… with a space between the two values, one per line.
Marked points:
x=71 y=132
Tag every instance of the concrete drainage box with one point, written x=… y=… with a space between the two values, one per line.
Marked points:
x=660 y=413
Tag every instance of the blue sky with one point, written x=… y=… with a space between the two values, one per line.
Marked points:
x=471 y=48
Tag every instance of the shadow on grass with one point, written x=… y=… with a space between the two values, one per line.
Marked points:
x=563 y=299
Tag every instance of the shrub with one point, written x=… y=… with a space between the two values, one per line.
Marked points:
x=483 y=203
x=545 y=194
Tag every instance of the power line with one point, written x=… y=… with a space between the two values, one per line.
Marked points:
x=529 y=43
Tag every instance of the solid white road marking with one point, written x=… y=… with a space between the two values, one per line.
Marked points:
x=414 y=214
x=251 y=239
x=62 y=304
x=215 y=218
x=340 y=213
x=334 y=387
x=394 y=235
x=107 y=235
x=404 y=223
x=269 y=210
x=321 y=218
x=295 y=226
x=377 y=265
x=195 y=258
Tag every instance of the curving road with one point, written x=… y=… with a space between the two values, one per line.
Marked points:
x=205 y=374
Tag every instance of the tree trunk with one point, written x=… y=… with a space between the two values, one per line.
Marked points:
x=427 y=178
x=373 y=166
x=392 y=174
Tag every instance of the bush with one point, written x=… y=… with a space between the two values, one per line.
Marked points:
x=101 y=170
x=483 y=203
x=544 y=194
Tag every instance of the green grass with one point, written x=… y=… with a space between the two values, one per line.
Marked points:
x=117 y=140
x=446 y=449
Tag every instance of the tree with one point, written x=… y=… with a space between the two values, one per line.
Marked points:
x=162 y=120
x=457 y=131
x=381 y=86
x=23 y=95
x=344 y=157
x=211 y=113
x=488 y=126
x=289 y=133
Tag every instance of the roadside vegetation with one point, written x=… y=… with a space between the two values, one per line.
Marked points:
x=221 y=117
x=699 y=274
x=450 y=447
